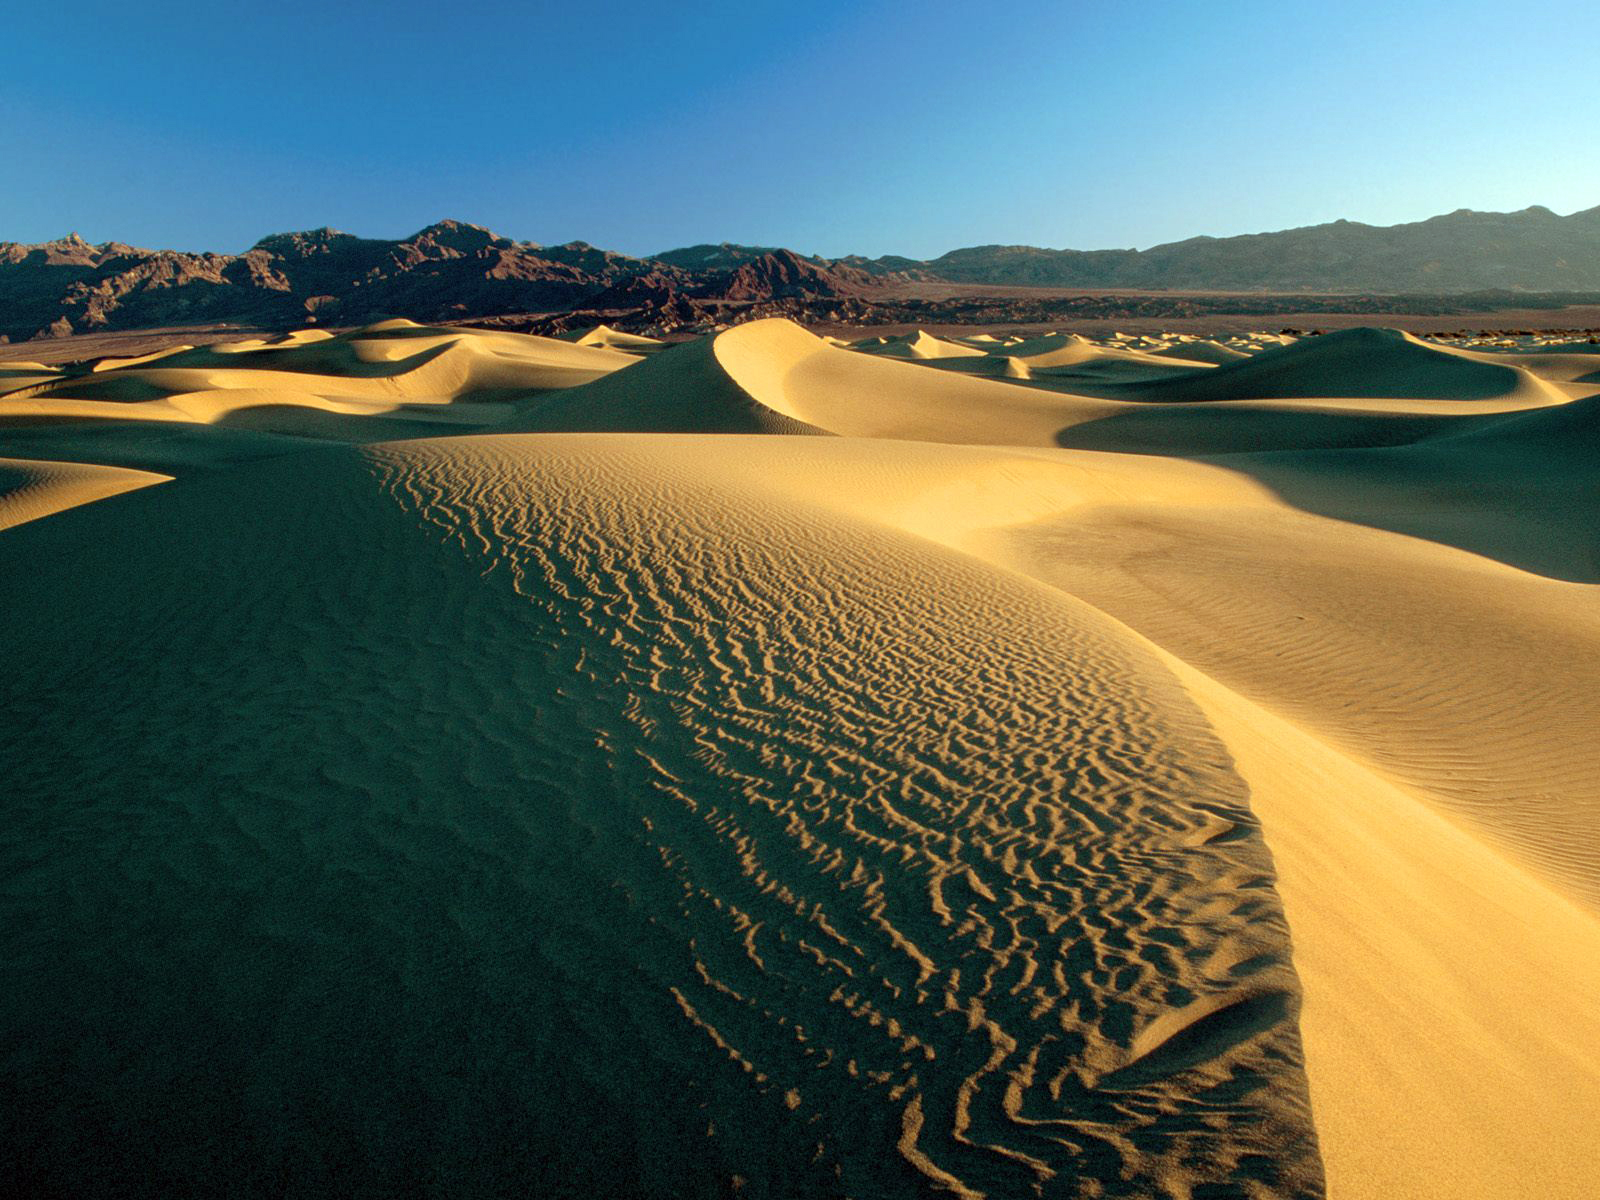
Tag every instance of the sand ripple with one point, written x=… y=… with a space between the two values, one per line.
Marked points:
x=577 y=823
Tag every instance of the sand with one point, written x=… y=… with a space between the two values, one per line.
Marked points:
x=32 y=489
x=475 y=764
x=616 y=339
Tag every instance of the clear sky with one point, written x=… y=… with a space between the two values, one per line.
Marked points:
x=874 y=126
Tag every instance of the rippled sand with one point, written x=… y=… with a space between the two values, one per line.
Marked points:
x=470 y=764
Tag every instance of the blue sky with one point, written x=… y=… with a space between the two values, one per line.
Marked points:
x=872 y=127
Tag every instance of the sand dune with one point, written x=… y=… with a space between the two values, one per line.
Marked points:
x=1376 y=642
x=396 y=370
x=919 y=848
x=773 y=376
x=1074 y=350
x=1447 y=993
x=1364 y=363
x=683 y=390
x=920 y=344
x=1082 y=353
x=31 y=489
x=1522 y=488
x=1177 y=787
x=17 y=375
x=1199 y=350
x=616 y=339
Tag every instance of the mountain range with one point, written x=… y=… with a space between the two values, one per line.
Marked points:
x=457 y=271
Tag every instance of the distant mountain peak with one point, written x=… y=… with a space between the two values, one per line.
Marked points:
x=783 y=273
x=303 y=239
x=723 y=256
x=461 y=236
x=1534 y=249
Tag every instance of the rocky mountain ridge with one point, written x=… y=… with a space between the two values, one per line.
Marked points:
x=455 y=271
x=449 y=271
x=1464 y=251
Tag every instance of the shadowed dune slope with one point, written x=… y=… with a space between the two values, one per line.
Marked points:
x=1253 y=426
x=170 y=447
x=1523 y=488
x=1565 y=436
x=683 y=389
x=585 y=775
x=1367 y=363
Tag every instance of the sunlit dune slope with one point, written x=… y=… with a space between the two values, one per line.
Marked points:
x=33 y=489
x=1467 y=678
x=1448 y=993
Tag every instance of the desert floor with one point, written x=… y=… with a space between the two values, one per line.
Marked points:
x=459 y=763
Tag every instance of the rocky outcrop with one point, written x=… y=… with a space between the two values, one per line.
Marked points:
x=450 y=270
x=782 y=274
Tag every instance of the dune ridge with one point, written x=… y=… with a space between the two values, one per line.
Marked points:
x=878 y=901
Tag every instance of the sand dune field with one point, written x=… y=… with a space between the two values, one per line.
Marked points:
x=475 y=764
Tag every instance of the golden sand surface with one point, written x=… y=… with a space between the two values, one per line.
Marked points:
x=479 y=764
